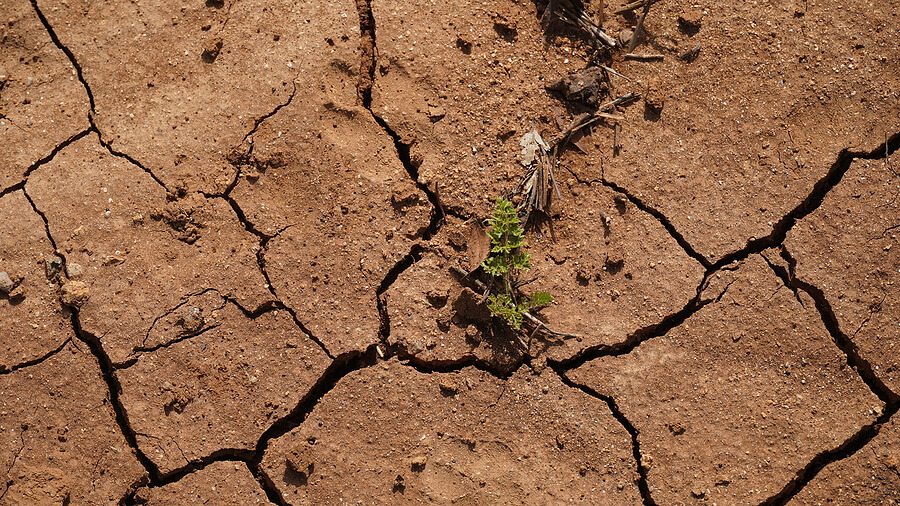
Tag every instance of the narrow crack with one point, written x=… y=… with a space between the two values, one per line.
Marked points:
x=87 y=88
x=43 y=216
x=662 y=219
x=642 y=334
x=862 y=367
x=829 y=319
x=36 y=165
x=368 y=50
x=414 y=255
x=7 y=483
x=62 y=47
x=140 y=350
x=259 y=121
x=105 y=363
x=846 y=449
x=35 y=361
x=106 y=145
x=652 y=211
x=620 y=417
x=264 y=239
x=812 y=202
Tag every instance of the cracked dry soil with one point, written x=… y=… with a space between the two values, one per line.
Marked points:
x=228 y=229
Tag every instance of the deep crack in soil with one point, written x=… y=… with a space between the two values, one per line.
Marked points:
x=620 y=417
x=831 y=179
x=346 y=363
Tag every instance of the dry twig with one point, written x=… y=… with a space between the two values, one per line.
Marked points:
x=639 y=27
x=573 y=13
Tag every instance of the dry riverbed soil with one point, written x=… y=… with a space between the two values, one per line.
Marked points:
x=231 y=232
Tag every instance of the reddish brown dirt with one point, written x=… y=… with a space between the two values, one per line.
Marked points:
x=229 y=229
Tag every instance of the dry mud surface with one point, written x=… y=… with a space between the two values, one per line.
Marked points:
x=229 y=233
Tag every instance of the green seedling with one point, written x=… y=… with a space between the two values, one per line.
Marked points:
x=505 y=264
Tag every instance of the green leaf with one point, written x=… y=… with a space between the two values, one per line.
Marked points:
x=520 y=261
x=539 y=299
x=496 y=266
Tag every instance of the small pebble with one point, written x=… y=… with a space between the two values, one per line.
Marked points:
x=74 y=271
x=6 y=283
x=53 y=266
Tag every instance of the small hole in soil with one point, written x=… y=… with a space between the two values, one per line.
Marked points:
x=464 y=46
x=508 y=33
x=215 y=4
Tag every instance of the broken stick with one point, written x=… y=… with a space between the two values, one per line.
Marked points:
x=639 y=27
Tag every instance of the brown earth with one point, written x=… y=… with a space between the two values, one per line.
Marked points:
x=231 y=238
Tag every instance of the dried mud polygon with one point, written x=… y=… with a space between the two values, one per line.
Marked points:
x=454 y=437
x=219 y=483
x=736 y=400
x=856 y=231
x=220 y=389
x=60 y=443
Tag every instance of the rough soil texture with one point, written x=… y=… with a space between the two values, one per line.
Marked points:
x=240 y=246
x=219 y=483
x=463 y=437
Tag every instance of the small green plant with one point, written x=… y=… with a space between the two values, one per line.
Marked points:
x=504 y=265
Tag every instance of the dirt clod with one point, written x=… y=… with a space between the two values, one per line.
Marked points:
x=211 y=50
x=74 y=293
x=449 y=387
x=53 y=266
x=690 y=19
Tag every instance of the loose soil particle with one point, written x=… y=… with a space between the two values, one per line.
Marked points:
x=390 y=434
x=60 y=442
x=219 y=483
x=849 y=249
x=732 y=403
x=220 y=389
x=37 y=313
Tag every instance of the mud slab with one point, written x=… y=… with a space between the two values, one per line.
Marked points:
x=218 y=483
x=29 y=305
x=218 y=390
x=732 y=403
x=61 y=443
x=391 y=434
x=605 y=256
